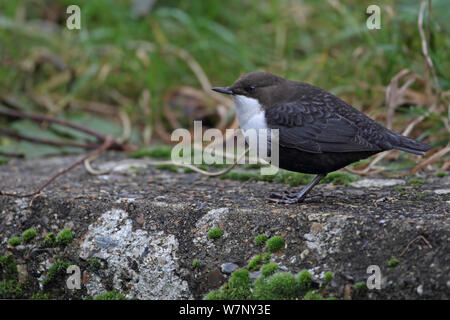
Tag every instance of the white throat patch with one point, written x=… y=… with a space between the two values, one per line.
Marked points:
x=250 y=113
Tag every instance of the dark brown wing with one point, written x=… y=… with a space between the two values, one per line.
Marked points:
x=316 y=128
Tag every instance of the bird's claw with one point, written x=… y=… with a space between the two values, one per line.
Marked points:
x=284 y=195
x=289 y=198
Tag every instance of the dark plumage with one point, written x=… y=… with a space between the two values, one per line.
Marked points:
x=319 y=133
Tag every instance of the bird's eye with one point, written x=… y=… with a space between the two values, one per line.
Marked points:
x=251 y=88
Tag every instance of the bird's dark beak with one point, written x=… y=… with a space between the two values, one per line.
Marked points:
x=223 y=90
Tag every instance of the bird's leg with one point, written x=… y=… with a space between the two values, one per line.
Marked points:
x=291 y=198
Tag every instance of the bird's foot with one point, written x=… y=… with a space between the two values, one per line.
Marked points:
x=289 y=197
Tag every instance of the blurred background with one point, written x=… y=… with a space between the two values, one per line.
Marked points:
x=141 y=68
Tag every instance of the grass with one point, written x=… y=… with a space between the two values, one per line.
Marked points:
x=326 y=45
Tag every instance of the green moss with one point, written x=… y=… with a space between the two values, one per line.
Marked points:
x=49 y=241
x=169 y=167
x=28 y=235
x=199 y=166
x=64 y=237
x=415 y=182
x=420 y=195
x=196 y=263
x=269 y=269
x=10 y=289
x=215 y=295
x=8 y=268
x=360 y=286
x=280 y=286
x=255 y=263
x=275 y=244
x=283 y=176
x=94 y=264
x=40 y=296
x=304 y=280
x=393 y=262
x=400 y=165
x=14 y=241
x=110 y=295
x=266 y=257
x=253 y=166
x=341 y=178
x=312 y=295
x=360 y=163
x=400 y=188
x=332 y=298
x=292 y=178
x=328 y=277
x=215 y=233
x=239 y=285
x=161 y=152
x=237 y=288
x=241 y=176
x=261 y=239
x=3 y=161
x=56 y=272
x=441 y=174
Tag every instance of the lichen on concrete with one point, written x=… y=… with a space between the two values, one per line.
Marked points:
x=144 y=263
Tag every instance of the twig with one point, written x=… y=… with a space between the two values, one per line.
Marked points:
x=434 y=158
x=107 y=144
x=418 y=237
x=425 y=52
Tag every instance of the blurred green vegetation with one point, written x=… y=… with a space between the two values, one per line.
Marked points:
x=128 y=59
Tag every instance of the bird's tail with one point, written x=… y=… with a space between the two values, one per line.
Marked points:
x=409 y=145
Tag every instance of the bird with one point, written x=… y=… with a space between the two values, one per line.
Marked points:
x=318 y=132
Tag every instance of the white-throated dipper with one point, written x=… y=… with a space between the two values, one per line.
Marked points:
x=318 y=132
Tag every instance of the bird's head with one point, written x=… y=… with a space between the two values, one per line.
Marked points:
x=252 y=85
